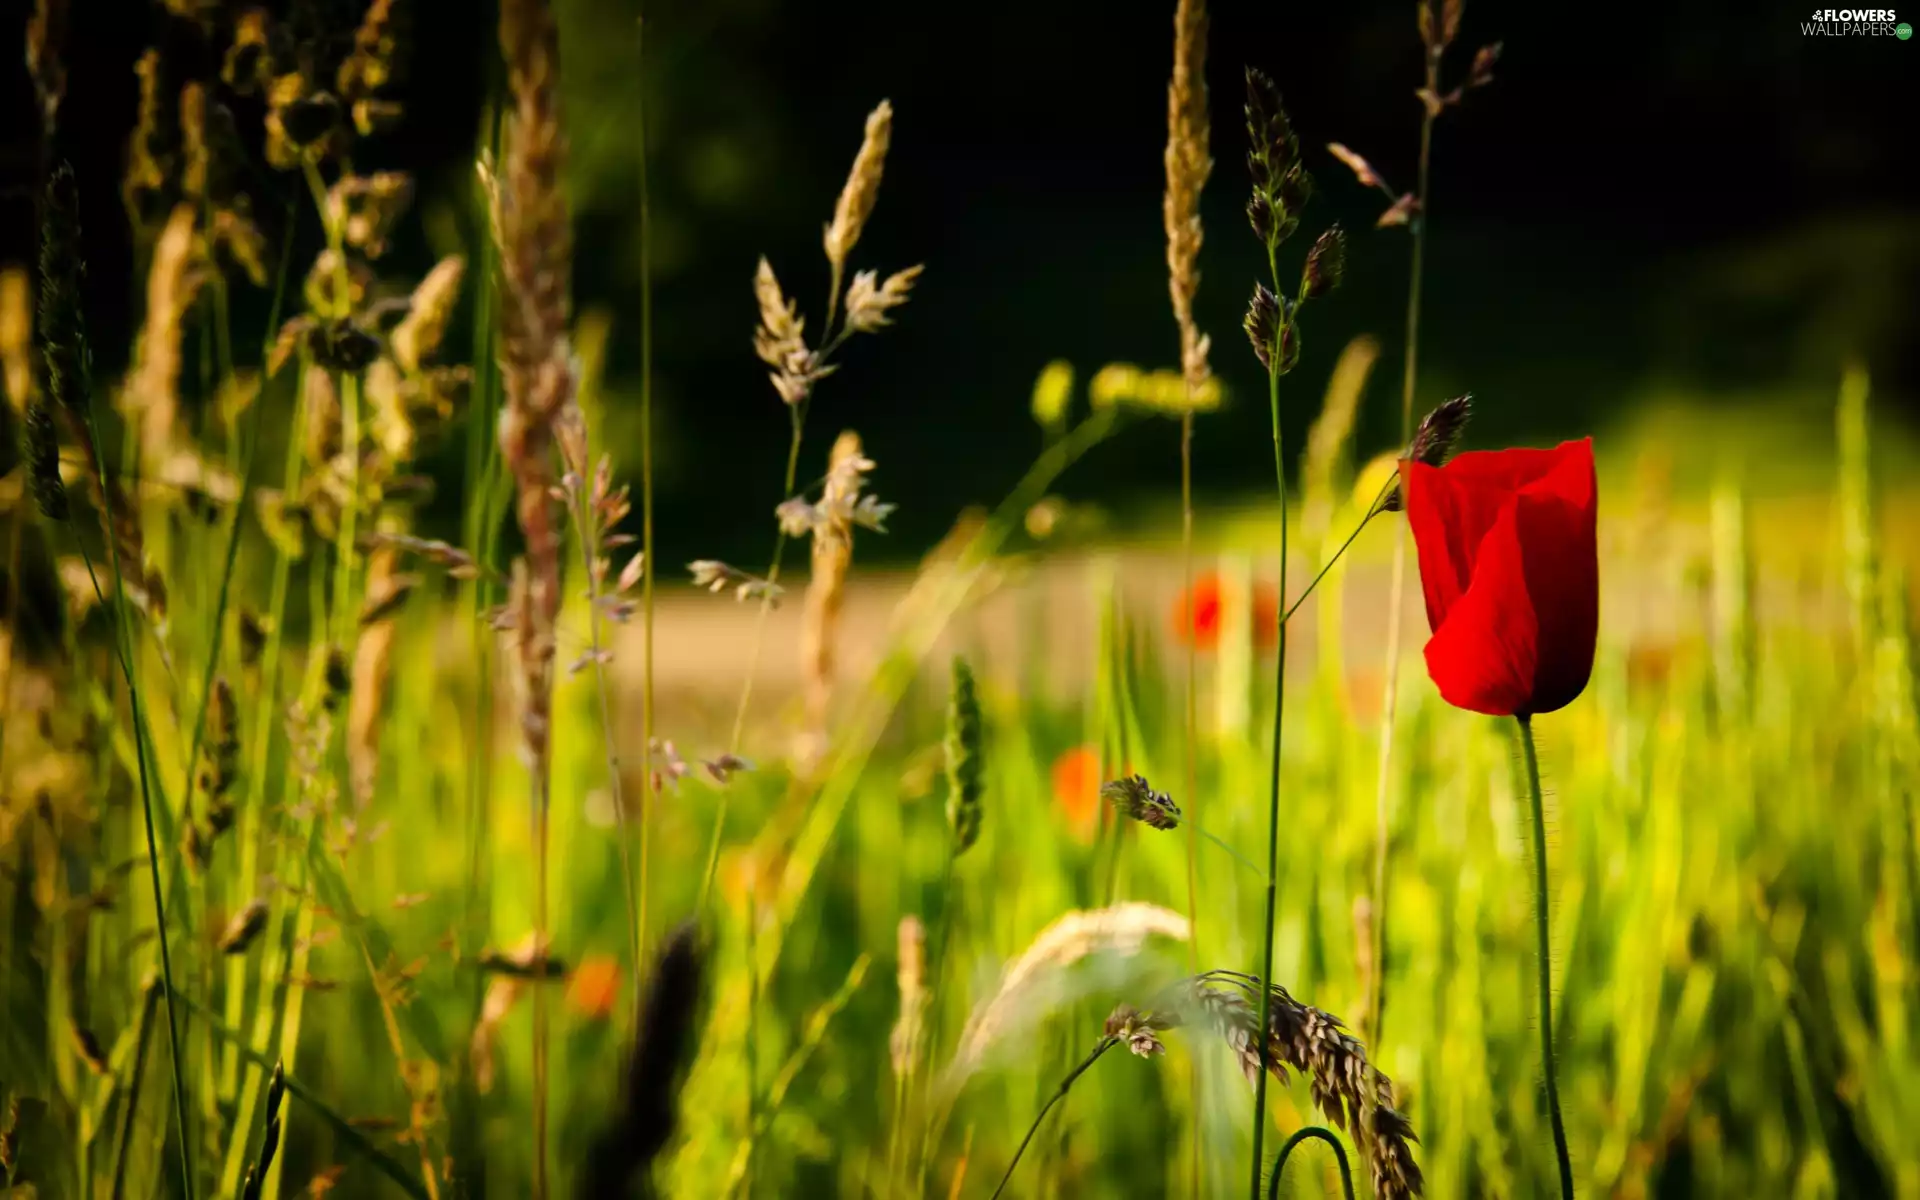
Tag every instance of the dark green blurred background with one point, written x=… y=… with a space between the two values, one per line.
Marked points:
x=1693 y=199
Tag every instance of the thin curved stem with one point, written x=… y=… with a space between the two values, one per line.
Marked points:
x=1545 y=965
x=1106 y=1044
x=1307 y=1134
x=1327 y=566
x=798 y=416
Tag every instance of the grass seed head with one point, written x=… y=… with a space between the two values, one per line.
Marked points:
x=1135 y=799
x=862 y=189
x=904 y=1045
x=60 y=329
x=1189 y=162
x=966 y=767
x=1326 y=264
x=244 y=928
x=1433 y=442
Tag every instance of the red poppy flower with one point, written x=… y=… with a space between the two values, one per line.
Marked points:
x=1197 y=614
x=1511 y=573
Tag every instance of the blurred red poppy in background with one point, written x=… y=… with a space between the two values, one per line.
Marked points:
x=1076 y=789
x=1510 y=568
x=1198 y=616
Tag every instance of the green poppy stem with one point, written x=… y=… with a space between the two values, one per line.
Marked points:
x=1545 y=965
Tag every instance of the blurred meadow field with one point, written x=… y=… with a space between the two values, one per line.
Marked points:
x=380 y=815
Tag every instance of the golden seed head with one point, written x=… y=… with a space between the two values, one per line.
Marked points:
x=862 y=188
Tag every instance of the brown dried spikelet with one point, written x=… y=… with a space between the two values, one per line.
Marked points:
x=222 y=743
x=1433 y=442
x=1188 y=164
x=1346 y=1087
x=862 y=189
x=244 y=928
x=1135 y=799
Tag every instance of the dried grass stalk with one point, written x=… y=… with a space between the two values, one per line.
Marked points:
x=536 y=362
x=827 y=583
x=1188 y=165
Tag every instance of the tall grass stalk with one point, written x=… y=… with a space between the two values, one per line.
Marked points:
x=1544 y=959
x=647 y=707
x=1397 y=589
x=1274 y=367
x=123 y=628
x=1188 y=164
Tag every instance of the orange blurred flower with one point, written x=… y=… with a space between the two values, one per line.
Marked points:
x=1076 y=789
x=1197 y=614
x=594 y=986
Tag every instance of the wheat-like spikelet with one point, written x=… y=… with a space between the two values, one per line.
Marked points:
x=1352 y=1093
x=1119 y=929
x=904 y=1045
x=1188 y=165
x=862 y=189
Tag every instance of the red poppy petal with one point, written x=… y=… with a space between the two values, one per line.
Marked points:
x=1510 y=469
x=1482 y=656
x=1556 y=520
x=1450 y=518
